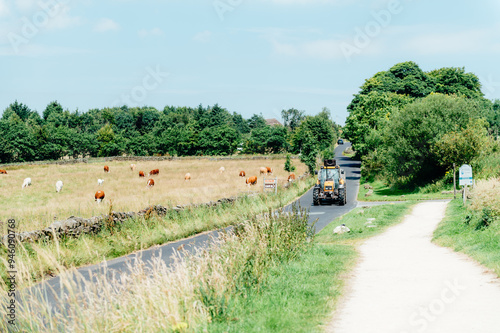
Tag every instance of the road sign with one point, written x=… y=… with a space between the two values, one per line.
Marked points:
x=271 y=183
x=465 y=175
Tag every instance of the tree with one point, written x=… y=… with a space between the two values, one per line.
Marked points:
x=461 y=146
x=256 y=121
x=292 y=118
x=52 y=107
x=412 y=132
x=309 y=152
x=319 y=128
x=289 y=167
x=22 y=110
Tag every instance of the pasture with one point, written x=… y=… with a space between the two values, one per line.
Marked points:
x=38 y=205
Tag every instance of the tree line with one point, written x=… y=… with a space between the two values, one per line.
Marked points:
x=26 y=135
x=409 y=126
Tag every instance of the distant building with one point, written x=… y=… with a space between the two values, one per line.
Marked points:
x=273 y=122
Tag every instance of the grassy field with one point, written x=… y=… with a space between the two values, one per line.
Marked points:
x=474 y=229
x=39 y=205
x=382 y=192
x=300 y=296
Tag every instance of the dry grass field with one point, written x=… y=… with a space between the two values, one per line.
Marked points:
x=39 y=205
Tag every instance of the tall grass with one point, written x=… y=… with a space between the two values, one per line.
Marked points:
x=45 y=259
x=185 y=298
x=37 y=206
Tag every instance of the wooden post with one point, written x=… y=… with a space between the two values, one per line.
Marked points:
x=454 y=182
x=464 y=193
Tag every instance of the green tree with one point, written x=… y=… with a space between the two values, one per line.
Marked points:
x=309 y=152
x=462 y=145
x=289 y=167
x=292 y=118
x=412 y=132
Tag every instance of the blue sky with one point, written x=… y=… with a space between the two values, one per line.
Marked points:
x=257 y=56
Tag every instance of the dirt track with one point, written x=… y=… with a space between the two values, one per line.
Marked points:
x=405 y=283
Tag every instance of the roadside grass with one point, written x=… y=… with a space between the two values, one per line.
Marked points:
x=464 y=231
x=300 y=296
x=37 y=206
x=383 y=192
x=46 y=259
x=199 y=289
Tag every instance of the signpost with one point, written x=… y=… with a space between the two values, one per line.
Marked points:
x=465 y=179
x=271 y=183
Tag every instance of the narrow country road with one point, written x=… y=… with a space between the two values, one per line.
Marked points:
x=54 y=291
x=404 y=284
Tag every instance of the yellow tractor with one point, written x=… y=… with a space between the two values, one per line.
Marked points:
x=331 y=184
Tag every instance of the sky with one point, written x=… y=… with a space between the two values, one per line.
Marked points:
x=249 y=56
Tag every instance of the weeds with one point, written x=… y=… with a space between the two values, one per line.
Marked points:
x=198 y=290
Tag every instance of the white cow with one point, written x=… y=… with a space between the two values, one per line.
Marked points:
x=59 y=186
x=100 y=181
x=27 y=182
x=222 y=169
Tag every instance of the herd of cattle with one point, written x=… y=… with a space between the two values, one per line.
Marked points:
x=99 y=195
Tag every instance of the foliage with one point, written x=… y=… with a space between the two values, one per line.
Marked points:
x=413 y=131
x=309 y=153
x=289 y=167
x=462 y=146
x=388 y=91
x=292 y=118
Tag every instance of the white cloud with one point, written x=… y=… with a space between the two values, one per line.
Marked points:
x=106 y=24
x=203 y=37
x=143 y=33
x=26 y=4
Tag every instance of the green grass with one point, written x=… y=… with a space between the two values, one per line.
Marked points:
x=382 y=192
x=480 y=243
x=300 y=296
x=35 y=261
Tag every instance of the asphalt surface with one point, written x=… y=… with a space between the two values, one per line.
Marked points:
x=53 y=291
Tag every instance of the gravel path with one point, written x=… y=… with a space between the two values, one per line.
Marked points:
x=404 y=284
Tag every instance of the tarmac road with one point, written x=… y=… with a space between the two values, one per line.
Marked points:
x=53 y=290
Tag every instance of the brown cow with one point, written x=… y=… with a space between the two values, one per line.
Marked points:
x=132 y=167
x=251 y=180
x=291 y=177
x=263 y=170
x=242 y=174
x=269 y=170
x=151 y=182
x=99 y=196
x=187 y=176
x=141 y=174
x=106 y=168
x=154 y=172
x=3 y=172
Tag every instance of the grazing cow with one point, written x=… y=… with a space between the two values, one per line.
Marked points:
x=141 y=174
x=99 y=196
x=291 y=177
x=27 y=182
x=3 y=172
x=222 y=169
x=100 y=181
x=106 y=168
x=187 y=176
x=251 y=180
x=59 y=186
x=269 y=170
x=242 y=174
x=151 y=182
x=154 y=172
x=132 y=167
x=263 y=170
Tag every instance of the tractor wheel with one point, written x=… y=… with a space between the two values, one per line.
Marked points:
x=342 y=197
x=316 y=196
